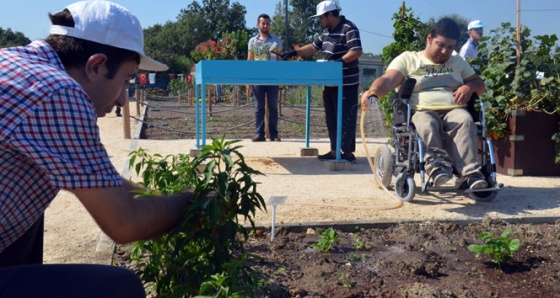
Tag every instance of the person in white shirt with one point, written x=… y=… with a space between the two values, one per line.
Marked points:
x=469 y=49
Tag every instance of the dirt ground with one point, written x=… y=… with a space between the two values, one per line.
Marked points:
x=422 y=258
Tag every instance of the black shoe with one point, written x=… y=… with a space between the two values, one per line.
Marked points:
x=476 y=181
x=327 y=156
x=258 y=138
x=349 y=157
x=275 y=139
x=118 y=115
x=440 y=177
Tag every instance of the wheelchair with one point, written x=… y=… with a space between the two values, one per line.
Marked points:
x=403 y=156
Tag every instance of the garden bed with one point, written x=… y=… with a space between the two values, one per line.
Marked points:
x=428 y=259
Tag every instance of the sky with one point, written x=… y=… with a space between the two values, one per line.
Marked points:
x=372 y=17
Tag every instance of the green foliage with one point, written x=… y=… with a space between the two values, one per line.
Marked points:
x=500 y=249
x=9 y=38
x=240 y=39
x=511 y=86
x=556 y=139
x=301 y=29
x=410 y=35
x=328 y=238
x=178 y=86
x=173 y=41
x=197 y=257
x=215 y=50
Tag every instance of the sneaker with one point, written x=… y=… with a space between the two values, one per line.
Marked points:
x=326 y=156
x=258 y=138
x=349 y=157
x=440 y=177
x=476 y=181
x=275 y=139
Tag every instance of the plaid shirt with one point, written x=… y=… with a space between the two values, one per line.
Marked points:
x=49 y=139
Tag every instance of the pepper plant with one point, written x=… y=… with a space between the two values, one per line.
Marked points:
x=206 y=244
x=500 y=249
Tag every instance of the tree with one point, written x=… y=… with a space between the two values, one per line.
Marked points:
x=9 y=38
x=173 y=42
x=410 y=35
x=301 y=28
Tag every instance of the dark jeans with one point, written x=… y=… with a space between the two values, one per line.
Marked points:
x=349 y=116
x=272 y=98
x=69 y=280
x=26 y=250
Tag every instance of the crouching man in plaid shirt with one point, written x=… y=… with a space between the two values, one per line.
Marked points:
x=51 y=93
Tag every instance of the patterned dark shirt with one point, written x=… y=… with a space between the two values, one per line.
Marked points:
x=49 y=139
x=334 y=44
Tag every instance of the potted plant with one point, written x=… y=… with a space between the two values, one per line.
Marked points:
x=522 y=99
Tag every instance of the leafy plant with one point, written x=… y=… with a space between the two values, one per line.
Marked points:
x=198 y=256
x=409 y=35
x=500 y=249
x=328 y=238
x=344 y=280
x=531 y=84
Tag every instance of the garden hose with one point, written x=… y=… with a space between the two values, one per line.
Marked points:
x=378 y=183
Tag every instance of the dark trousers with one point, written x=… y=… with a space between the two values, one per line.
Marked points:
x=271 y=93
x=69 y=280
x=349 y=116
x=26 y=250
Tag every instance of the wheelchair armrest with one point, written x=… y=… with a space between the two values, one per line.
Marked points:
x=472 y=109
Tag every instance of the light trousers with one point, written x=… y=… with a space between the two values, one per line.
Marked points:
x=450 y=139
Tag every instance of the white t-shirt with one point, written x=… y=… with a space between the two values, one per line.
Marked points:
x=435 y=83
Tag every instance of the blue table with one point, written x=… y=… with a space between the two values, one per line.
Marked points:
x=243 y=72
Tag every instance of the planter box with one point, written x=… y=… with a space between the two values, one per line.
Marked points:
x=528 y=151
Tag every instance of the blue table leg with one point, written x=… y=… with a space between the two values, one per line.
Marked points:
x=203 y=111
x=339 y=124
x=197 y=116
x=307 y=116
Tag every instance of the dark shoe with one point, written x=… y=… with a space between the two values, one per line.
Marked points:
x=476 y=181
x=118 y=115
x=440 y=177
x=258 y=138
x=349 y=157
x=275 y=139
x=326 y=156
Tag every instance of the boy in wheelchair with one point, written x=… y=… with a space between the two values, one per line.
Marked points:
x=445 y=83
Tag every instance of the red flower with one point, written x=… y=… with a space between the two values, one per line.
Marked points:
x=217 y=49
x=213 y=43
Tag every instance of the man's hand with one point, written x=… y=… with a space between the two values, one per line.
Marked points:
x=289 y=55
x=368 y=98
x=462 y=95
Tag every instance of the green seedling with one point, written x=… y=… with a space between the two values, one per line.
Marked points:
x=500 y=249
x=344 y=280
x=328 y=238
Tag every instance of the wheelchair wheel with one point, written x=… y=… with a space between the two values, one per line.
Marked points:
x=383 y=163
x=484 y=196
x=405 y=187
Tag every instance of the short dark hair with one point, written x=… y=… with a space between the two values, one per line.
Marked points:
x=264 y=16
x=447 y=28
x=75 y=52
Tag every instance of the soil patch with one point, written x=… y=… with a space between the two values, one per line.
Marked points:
x=169 y=119
x=425 y=259
x=407 y=260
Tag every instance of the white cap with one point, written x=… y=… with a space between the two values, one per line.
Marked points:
x=475 y=24
x=110 y=24
x=325 y=7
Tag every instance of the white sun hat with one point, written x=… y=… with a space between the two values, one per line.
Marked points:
x=110 y=24
x=325 y=7
x=475 y=24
